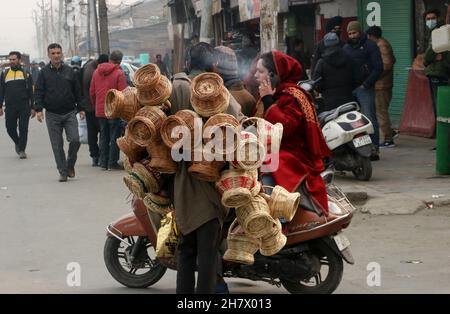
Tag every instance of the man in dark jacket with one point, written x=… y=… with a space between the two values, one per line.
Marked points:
x=336 y=71
x=16 y=89
x=58 y=91
x=333 y=25
x=93 y=125
x=369 y=67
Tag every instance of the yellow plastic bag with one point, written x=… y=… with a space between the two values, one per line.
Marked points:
x=167 y=241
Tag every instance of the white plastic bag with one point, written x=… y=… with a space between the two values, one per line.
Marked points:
x=82 y=130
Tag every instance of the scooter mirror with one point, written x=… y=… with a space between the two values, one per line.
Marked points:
x=306 y=86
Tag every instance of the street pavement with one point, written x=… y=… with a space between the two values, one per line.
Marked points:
x=46 y=225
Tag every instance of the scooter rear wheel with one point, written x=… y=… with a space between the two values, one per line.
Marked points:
x=316 y=285
x=364 y=171
x=141 y=273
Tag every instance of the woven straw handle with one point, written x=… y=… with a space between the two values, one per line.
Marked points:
x=233 y=224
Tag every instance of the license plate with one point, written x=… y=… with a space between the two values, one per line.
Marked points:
x=342 y=242
x=362 y=141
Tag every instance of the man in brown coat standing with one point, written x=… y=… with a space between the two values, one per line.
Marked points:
x=227 y=68
x=199 y=211
x=384 y=85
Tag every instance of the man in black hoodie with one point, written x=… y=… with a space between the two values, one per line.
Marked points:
x=58 y=91
x=336 y=71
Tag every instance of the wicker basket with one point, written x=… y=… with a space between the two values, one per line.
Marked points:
x=156 y=95
x=127 y=164
x=225 y=125
x=135 y=185
x=207 y=169
x=241 y=248
x=255 y=217
x=183 y=118
x=147 y=77
x=114 y=101
x=282 y=203
x=269 y=134
x=144 y=128
x=235 y=187
x=209 y=96
x=149 y=176
x=274 y=241
x=158 y=204
x=131 y=104
x=161 y=158
x=130 y=148
x=250 y=153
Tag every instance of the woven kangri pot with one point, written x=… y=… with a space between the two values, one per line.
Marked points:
x=282 y=203
x=235 y=187
x=157 y=95
x=250 y=152
x=205 y=170
x=270 y=135
x=144 y=128
x=127 y=164
x=114 y=101
x=147 y=76
x=209 y=96
x=131 y=104
x=130 y=148
x=241 y=248
x=255 y=217
x=149 y=176
x=135 y=185
x=157 y=203
x=274 y=241
x=161 y=158
x=185 y=119
x=223 y=124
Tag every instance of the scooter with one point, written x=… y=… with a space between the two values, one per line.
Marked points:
x=310 y=263
x=347 y=133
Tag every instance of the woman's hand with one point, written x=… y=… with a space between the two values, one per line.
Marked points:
x=265 y=88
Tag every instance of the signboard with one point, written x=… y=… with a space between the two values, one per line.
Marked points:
x=249 y=9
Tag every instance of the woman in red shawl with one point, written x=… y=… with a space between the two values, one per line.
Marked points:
x=303 y=147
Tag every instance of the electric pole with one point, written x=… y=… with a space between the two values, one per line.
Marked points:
x=104 y=36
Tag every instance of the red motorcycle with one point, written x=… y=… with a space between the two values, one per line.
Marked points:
x=310 y=263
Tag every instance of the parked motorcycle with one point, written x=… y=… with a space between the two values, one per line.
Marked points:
x=347 y=133
x=310 y=263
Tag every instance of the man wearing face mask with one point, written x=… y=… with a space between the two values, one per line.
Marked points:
x=437 y=64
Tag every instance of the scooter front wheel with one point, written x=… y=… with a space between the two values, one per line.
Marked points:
x=364 y=170
x=139 y=272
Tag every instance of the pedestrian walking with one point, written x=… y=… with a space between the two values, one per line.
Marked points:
x=16 y=91
x=162 y=66
x=383 y=87
x=58 y=92
x=108 y=76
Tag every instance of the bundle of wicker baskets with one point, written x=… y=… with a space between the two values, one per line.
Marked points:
x=208 y=95
x=241 y=247
x=153 y=88
x=121 y=104
x=235 y=186
x=184 y=123
x=227 y=128
x=205 y=166
x=144 y=128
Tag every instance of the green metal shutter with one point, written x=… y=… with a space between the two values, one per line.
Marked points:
x=397 y=26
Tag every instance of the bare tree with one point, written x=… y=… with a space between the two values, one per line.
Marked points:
x=103 y=17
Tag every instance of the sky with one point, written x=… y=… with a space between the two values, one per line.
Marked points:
x=17 y=31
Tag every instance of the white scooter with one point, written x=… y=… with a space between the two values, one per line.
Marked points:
x=346 y=131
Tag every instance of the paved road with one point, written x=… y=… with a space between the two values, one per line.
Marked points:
x=45 y=225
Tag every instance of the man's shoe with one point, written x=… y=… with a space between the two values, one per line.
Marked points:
x=17 y=149
x=22 y=155
x=71 y=172
x=115 y=166
x=62 y=178
x=395 y=134
x=222 y=288
x=95 y=162
x=387 y=144
x=374 y=157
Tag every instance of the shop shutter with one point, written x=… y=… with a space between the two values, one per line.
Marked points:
x=397 y=25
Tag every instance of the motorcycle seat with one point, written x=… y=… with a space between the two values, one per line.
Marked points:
x=327 y=116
